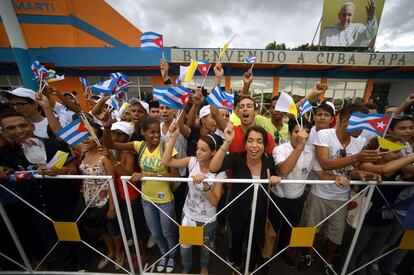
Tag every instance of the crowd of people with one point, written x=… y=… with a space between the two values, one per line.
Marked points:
x=149 y=139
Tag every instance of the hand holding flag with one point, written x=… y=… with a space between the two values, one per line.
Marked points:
x=221 y=99
x=251 y=60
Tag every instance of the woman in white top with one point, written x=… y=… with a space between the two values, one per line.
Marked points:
x=202 y=198
x=294 y=160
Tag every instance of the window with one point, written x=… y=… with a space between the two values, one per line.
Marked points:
x=297 y=87
x=10 y=82
x=345 y=91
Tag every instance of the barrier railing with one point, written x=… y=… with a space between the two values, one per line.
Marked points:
x=256 y=184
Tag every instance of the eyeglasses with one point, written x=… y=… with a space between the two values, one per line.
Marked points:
x=19 y=104
x=342 y=153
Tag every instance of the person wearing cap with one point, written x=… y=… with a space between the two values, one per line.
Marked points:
x=124 y=164
x=23 y=100
x=154 y=109
x=139 y=111
x=348 y=34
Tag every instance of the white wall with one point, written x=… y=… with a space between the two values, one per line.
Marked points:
x=399 y=91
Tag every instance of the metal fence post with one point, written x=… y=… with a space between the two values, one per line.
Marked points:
x=252 y=218
x=132 y=225
x=358 y=229
x=15 y=238
x=121 y=224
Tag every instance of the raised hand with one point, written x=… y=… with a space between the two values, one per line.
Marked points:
x=198 y=97
x=174 y=130
x=302 y=137
x=164 y=67
x=106 y=119
x=229 y=133
x=370 y=8
x=248 y=77
x=42 y=100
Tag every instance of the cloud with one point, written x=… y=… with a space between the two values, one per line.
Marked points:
x=202 y=24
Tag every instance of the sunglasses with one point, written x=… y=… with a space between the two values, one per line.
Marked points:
x=277 y=137
x=342 y=153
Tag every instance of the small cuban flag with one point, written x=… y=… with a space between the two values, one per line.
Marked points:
x=123 y=83
x=375 y=123
x=250 y=60
x=221 y=99
x=172 y=97
x=151 y=40
x=106 y=87
x=74 y=133
x=305 y=107
x=203 y=67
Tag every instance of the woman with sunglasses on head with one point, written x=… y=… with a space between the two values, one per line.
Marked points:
x=202 y=198
x=254 y=163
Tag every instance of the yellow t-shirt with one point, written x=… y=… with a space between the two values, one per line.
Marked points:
x=150 y=162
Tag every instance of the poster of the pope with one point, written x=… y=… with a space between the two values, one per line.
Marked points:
x=350 y=23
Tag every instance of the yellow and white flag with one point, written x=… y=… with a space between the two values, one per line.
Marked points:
x=191 y=70
x=58 y=160
x=389 y=145
x=286 y=104
x=226 y=45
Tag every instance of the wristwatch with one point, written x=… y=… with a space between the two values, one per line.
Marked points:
x=207 y=186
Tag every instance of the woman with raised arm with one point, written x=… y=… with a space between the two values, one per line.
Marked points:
x=155 y=194
x=202 y=198
x=254 y=163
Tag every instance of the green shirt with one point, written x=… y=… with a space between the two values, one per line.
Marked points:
x=267 y=124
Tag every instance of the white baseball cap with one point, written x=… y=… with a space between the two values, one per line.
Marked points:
x=332 y=106
x=22 y=92
x=124 y=127
x=204 y=111
x=140 y=102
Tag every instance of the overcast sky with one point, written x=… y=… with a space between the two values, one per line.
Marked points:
x=208 y=24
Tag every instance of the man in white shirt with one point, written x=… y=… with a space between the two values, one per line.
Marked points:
x=24 y=101
x=348 y=34
x=338 y=153
x=294 y=160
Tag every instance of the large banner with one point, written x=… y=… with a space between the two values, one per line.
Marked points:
x=296 y=57
x=350 y=23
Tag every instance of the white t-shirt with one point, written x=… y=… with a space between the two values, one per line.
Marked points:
x=41 y=128
x=180 y=145
x=301 y=171
x=312 y=136
x=328 y=138
x=197 y=207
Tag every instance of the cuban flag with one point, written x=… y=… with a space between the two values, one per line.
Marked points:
x=84 y=82
x=375 y=123
x=173 y=97
x=74 y=133
x=35 y=67
x=250 y=60
x=203 y=67
x=19 y=176
x=305 y=107
x=221 y=99
x=123 y=81
x=115 y=101
x=106 y=87
x=151 y=40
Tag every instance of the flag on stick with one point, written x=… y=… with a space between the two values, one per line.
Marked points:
x=74 y=133
x=286 y=104
x=226 y=45
x=221 y=99
x=374 y=123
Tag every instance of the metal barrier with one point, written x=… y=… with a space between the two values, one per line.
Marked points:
x=256 y=184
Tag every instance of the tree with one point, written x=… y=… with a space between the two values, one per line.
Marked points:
x=274 y=46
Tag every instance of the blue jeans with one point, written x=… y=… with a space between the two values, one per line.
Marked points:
x=209 y=240
x=162 y=229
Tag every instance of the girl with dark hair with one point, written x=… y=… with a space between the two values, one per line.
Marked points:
x=254 y=163
x=155 y=194
x=202 y=198
x=97 y=196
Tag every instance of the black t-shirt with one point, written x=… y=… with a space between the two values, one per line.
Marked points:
x=54 y=197
x=237 y=164
x=192 y=140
